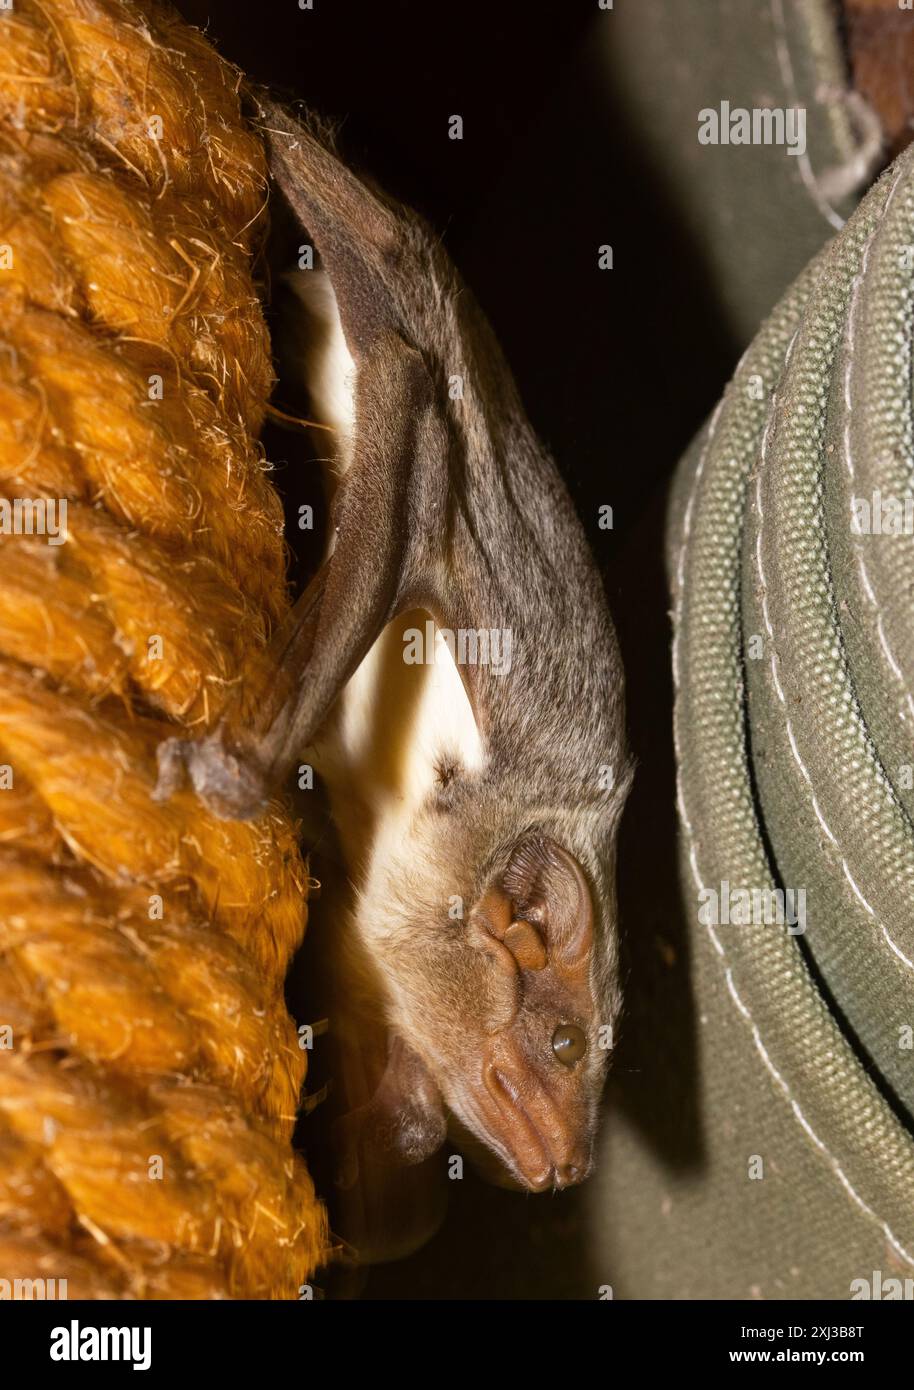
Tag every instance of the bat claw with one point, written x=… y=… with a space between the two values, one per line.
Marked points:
x=230 y=786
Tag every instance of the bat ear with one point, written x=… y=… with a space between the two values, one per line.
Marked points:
x=359 y=237
x=391 y=1196
x=541 y=908
x=404 y=1119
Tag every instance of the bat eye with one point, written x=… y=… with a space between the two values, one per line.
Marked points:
x=569 y=1043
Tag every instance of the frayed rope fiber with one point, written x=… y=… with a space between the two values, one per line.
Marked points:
x=149 y=1071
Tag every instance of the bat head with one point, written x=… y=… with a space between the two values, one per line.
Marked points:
x=531 y=1091
x=507 y=1007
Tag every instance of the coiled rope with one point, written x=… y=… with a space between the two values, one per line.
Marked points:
x=149 y=1071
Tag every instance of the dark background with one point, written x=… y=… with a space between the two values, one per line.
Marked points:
x=617 y=369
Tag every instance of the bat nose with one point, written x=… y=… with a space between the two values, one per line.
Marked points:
x=568 y=1174
x=557 y=1177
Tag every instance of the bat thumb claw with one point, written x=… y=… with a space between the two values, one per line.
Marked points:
x=229 y=785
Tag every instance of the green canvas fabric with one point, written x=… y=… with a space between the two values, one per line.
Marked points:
x=792 y=657
x=753 y=216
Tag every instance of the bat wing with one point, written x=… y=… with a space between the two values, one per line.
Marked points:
x=359 y=237
x=372 y=567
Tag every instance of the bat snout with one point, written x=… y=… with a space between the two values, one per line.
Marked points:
x=540 y=1141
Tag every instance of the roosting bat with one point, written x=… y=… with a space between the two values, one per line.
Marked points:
x=485 y=918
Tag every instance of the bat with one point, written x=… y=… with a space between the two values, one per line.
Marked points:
x=458 y=594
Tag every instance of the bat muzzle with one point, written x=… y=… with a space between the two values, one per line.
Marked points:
x=544 y=1146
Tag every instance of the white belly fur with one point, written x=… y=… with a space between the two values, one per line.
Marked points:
x=326 y=364
x=396 y=726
